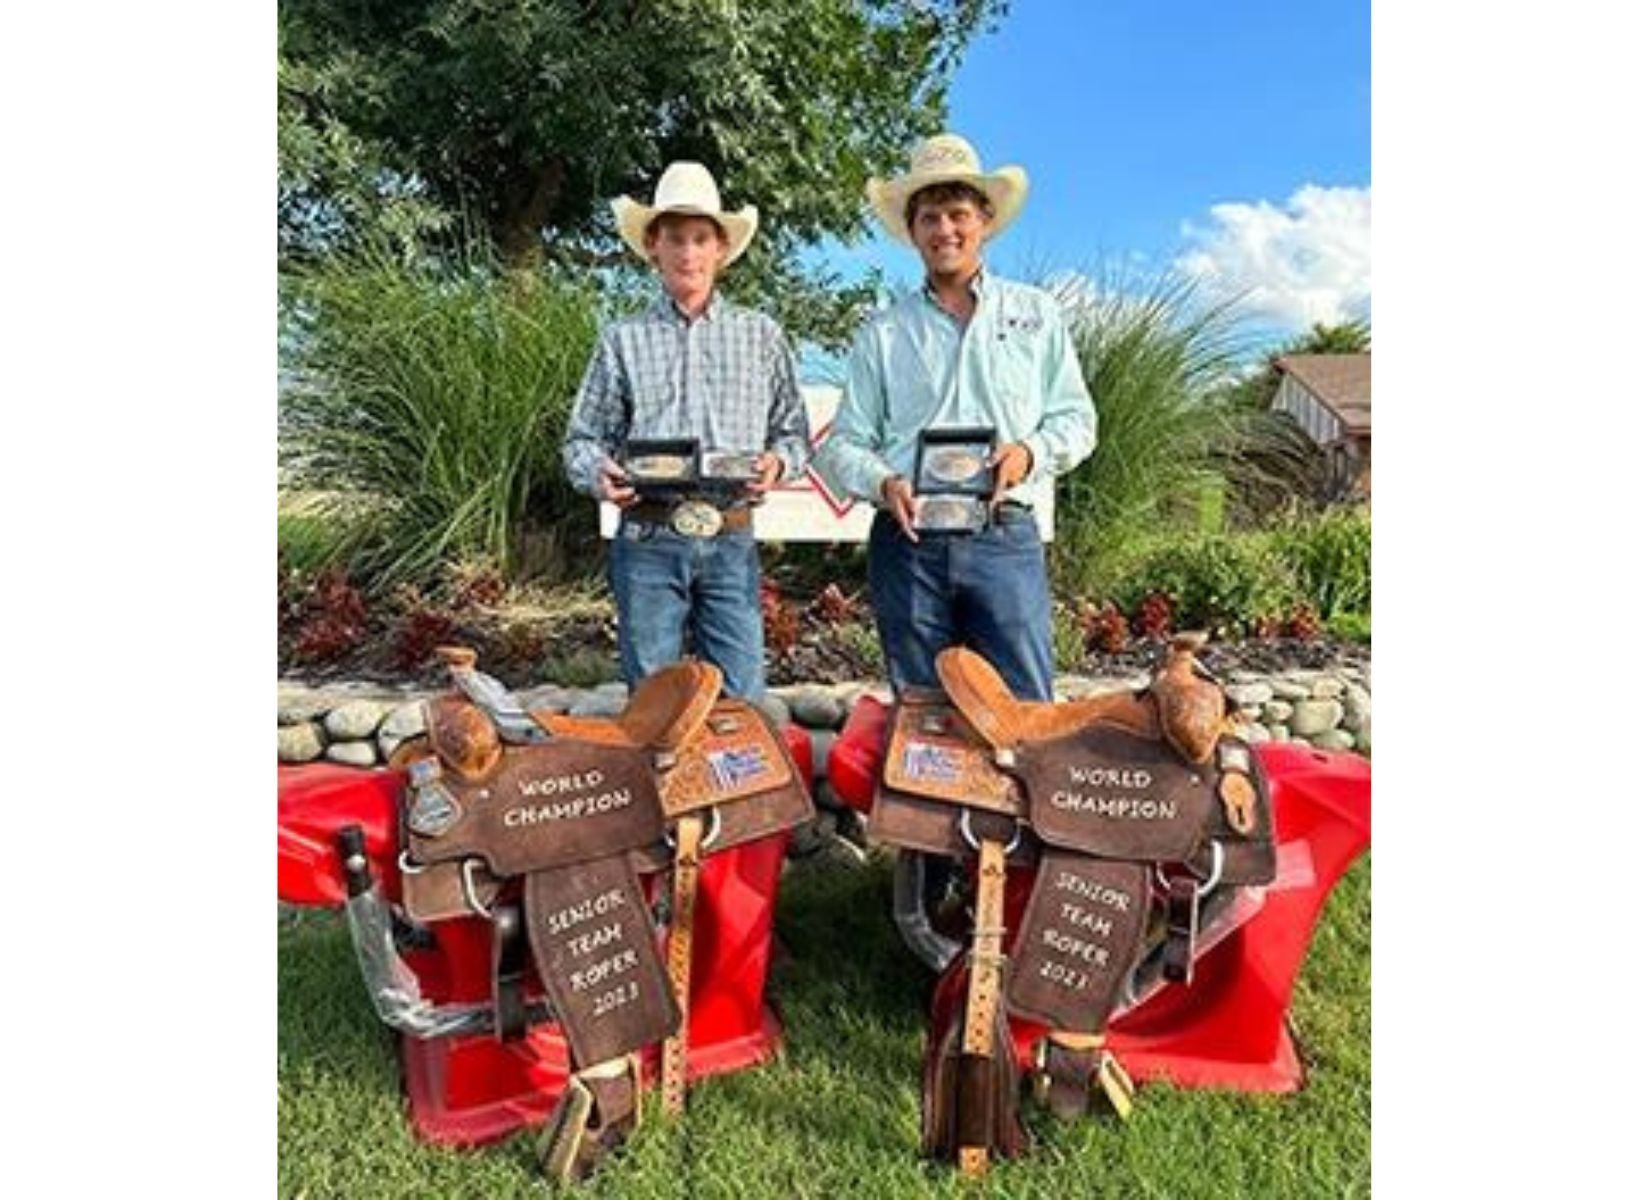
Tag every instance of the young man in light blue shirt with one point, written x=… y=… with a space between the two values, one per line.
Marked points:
x=967 y=350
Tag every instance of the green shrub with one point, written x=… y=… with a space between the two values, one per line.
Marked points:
x=1070 y=642
x=431 y=403
x=1153 y=354
x=1219 y=583
x=1330 y=557
x=1349 y=627
x=307 y=542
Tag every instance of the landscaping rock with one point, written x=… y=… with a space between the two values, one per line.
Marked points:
x=353 y=754
x=1280 y=733
x=1249 y=712
x=1249 y=694
x=547 y=697
x=1285 y=689
x=816 y=708
x=776 y=709
x=295 y=705
x=1358 y=704
x=1334 y=739
x=354 y=719
x=403 y=721
x=613 y=687
x=1277 y=711
x=1312 y=717
x=598 y=704
x=388 y=743
x=1256 y=733
x=1328 y=688
x=1072 y=687
x=299 y=743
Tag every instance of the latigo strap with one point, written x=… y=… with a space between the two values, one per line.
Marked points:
x=974 y=1101
x=679 y=957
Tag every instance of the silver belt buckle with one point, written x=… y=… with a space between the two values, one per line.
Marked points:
x=696 y=519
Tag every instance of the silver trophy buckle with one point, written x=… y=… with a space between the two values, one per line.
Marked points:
x=696 y=519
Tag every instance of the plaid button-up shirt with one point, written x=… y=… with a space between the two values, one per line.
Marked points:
x=727 y=377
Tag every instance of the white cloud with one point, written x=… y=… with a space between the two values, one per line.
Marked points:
x=1307 y=261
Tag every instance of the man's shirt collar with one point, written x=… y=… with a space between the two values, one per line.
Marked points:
x=665 y=306
x=977 y=286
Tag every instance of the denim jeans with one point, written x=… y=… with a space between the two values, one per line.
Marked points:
x=677 y=593
x=987 y=591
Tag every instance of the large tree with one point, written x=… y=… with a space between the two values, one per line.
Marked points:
x=529 y=114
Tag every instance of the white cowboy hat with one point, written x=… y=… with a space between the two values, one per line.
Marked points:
x=947 y=158
x=685 y=187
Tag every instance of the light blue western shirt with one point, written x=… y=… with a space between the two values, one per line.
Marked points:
x=913 y=366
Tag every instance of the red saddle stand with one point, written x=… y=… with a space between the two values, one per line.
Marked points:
x=1226 y=1029
x=465 y=1090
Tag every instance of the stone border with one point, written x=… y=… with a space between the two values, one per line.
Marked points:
x=361 y=725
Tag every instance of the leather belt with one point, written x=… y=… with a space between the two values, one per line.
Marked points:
x=999 y=516
x=654 y=512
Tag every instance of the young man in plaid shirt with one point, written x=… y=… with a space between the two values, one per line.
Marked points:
x=691 y=365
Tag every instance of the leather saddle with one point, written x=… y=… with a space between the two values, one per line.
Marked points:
x=545 y=825
x=1132 y=809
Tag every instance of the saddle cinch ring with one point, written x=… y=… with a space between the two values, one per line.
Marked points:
x=704 y=842
x=468 y=880
x=1217 y=863
x=967 y=831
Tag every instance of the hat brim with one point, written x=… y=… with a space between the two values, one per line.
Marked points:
x=1005 y=187
x=634 y=218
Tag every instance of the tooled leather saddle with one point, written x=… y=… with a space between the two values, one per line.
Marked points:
x=1131 y=808
x=544 y=825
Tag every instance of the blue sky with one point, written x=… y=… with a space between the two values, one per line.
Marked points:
x=1136 y=120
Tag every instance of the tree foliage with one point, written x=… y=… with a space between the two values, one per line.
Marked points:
x=531 y=114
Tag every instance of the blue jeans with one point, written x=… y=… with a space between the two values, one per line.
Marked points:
x=987 y=591
x=675 y=593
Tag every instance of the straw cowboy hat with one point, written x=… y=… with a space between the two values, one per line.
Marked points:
x=685 y=187
x=947 y=158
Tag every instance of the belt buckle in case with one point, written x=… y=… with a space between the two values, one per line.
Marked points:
x=696 y=519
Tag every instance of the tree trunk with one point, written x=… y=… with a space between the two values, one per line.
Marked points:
x=518 y=226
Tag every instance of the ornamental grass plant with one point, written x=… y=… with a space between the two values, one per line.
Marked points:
x=1154 y=353
x=423 y=406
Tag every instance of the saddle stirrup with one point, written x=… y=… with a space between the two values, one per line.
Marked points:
x=598 y=1109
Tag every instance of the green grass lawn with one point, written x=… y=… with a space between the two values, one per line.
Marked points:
x=837 y=1115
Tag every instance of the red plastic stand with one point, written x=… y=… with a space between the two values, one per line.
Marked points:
x=1226 y=1029
x=472 y=1089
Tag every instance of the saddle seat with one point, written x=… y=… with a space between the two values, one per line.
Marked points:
x=666 y=710
x=1183 y=704
x=664 y=713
